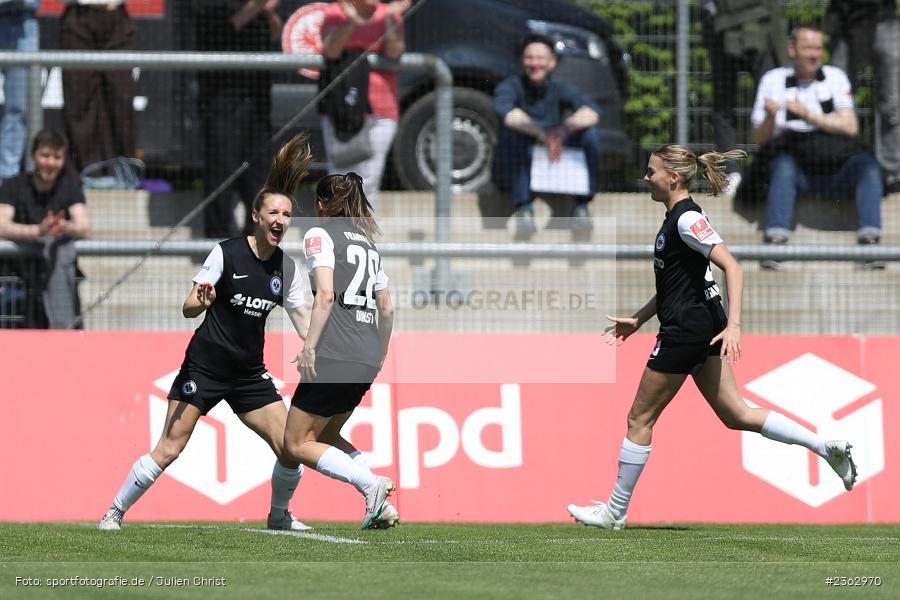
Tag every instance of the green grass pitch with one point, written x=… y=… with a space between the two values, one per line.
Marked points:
x=434 y=561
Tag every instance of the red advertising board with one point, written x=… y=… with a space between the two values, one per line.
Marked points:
x=502 y=451
x=137 y=8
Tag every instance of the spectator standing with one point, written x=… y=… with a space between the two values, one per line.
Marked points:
x=234 y=106
x=18 y=31
x=350 y=27
x=535 y=107
x=46 y=207
x=740 y=35
x=98 y=105
x=803 y=118
x=867 y=32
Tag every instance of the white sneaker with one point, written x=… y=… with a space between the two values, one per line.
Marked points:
x=598 y=515
x=286 y=522
x=112 y=520
x=840 y=460
x=376 y=497
x=389 y=518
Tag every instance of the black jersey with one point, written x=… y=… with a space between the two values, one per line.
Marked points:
x=351 y=332
x=229 y=342
x=688 y=303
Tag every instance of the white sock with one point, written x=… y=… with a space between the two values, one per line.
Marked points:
x=338 y=465
x=632 y=458
x=284 y=482
x=781 y=429
x=143 y=473
x=360 y=459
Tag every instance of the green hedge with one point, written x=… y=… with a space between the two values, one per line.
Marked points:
x=646 y=30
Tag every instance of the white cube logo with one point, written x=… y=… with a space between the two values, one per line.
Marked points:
x=819 y=393
x=224 y=459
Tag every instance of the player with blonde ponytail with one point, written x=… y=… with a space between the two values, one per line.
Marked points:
x=696 y=337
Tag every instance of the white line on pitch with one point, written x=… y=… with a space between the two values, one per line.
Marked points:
x=310 y=536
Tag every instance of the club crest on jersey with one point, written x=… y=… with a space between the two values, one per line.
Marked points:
x=660 y=242
x=189 y=388
x=275 y=285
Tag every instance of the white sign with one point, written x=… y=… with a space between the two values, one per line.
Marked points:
x=568 y=175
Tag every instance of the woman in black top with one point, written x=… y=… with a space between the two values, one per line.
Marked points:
x=349 y=332
x=249 y=275
x=695 y=336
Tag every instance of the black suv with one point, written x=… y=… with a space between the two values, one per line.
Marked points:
x=479 y=40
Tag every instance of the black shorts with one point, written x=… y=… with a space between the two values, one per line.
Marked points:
x=688 y=358
x=242 y=394
x=339 y=387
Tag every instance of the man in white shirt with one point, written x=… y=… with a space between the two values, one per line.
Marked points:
x=804 y=121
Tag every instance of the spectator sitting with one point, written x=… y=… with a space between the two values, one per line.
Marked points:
x=804 y=121
x=867 y=32
x=533 y=107
x=47 y=207
x=18 y=31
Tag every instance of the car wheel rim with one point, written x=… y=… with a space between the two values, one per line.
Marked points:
x=472 y=151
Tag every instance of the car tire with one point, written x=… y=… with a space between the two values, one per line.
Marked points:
x=474 y=133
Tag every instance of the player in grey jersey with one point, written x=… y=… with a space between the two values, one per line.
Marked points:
x=224 y=357
x=693 y=340
x=349 y=333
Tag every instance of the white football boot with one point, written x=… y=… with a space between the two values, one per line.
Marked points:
x=112 y=520
x=285 y=521
x=840 y=460
x=376 y=497
x=388 y=518
x=597 y=515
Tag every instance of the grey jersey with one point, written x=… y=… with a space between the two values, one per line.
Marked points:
x=351 y=332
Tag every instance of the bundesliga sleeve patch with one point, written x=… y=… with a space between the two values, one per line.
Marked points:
x=313 y=246
x=701 y=229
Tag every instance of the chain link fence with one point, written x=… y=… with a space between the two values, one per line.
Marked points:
x=191 y=127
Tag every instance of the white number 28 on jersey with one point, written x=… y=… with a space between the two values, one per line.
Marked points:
x=367 y=262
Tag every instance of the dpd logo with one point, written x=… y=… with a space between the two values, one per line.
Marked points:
x=838 y=405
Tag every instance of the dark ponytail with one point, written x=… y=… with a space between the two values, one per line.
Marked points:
x=289 y=167
x=342 y=196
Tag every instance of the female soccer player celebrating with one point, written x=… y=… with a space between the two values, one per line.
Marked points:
x=224 y=359
x=695 y=336
x=349 y=332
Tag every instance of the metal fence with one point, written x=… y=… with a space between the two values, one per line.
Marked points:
x=665 y=101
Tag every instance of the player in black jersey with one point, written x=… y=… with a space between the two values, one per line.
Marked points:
x=695 y=336
x=349 y=332
x=240 y=283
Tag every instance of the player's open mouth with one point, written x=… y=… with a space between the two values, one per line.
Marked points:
x=276 y=232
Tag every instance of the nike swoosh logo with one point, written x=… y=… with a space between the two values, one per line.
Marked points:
x=239 y=276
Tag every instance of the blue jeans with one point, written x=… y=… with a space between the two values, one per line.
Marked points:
x=860 y=177
x=17 y=32
x=512 y=162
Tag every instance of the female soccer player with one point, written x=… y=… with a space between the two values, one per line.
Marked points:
x=349 y=333
x=695 y=336
x=224 y=359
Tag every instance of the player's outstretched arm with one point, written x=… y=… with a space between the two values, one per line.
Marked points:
x=623 y=327
x=201 y=297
